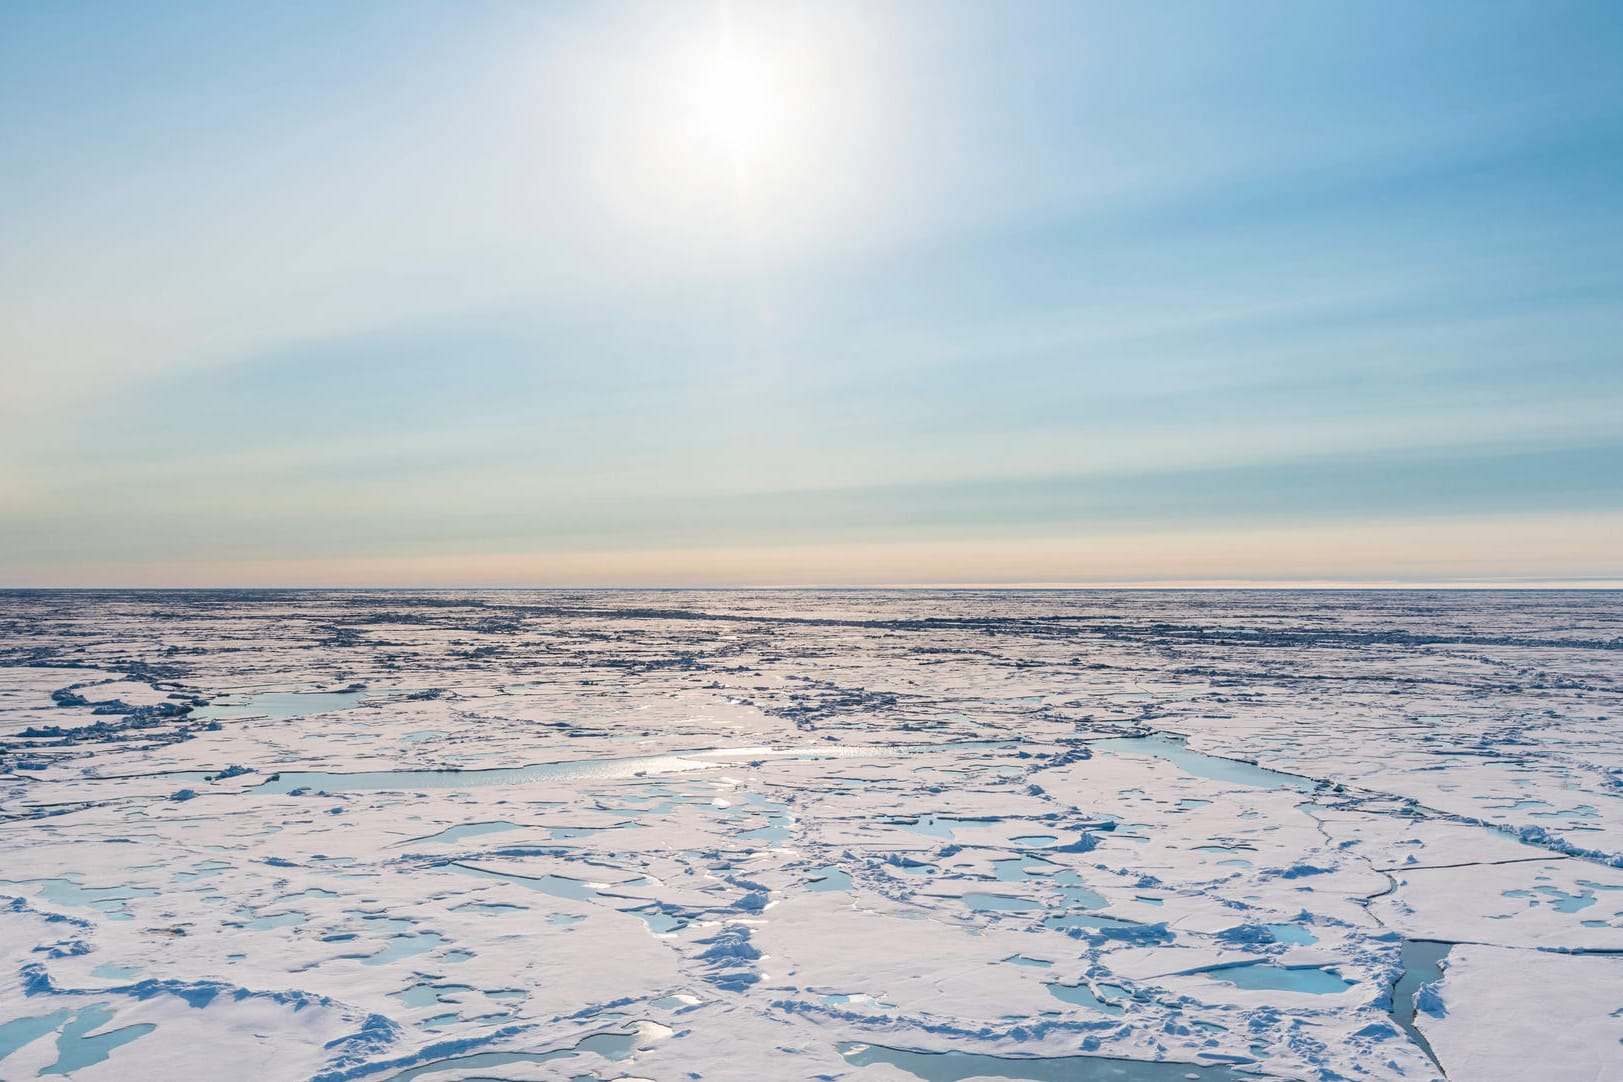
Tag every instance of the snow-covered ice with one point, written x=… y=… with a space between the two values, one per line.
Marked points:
x=847 y=835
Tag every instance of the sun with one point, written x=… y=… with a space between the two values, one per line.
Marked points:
x=736 y=130
x=740 y=108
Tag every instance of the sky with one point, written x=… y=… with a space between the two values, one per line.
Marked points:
x=705 y=294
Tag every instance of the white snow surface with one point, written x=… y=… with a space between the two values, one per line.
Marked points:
x=337 y=836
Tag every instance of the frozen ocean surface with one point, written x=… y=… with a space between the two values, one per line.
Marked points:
x=783 y=835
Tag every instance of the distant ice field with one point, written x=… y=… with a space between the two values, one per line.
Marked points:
x=866 y=835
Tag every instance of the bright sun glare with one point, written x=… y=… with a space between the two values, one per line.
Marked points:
x=753 y=124
x=740 y=108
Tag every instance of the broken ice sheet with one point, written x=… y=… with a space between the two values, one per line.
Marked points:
x=840 y=835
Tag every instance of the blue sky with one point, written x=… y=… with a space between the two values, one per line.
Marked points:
x=525 y=293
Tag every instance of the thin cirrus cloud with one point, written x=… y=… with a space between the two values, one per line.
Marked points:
x=493 y=290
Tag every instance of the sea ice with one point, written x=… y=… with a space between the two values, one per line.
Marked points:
x=862 y=835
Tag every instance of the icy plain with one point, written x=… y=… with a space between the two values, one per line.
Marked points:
x=778 y=835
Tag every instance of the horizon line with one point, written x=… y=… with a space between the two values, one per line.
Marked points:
x=1138 y=586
